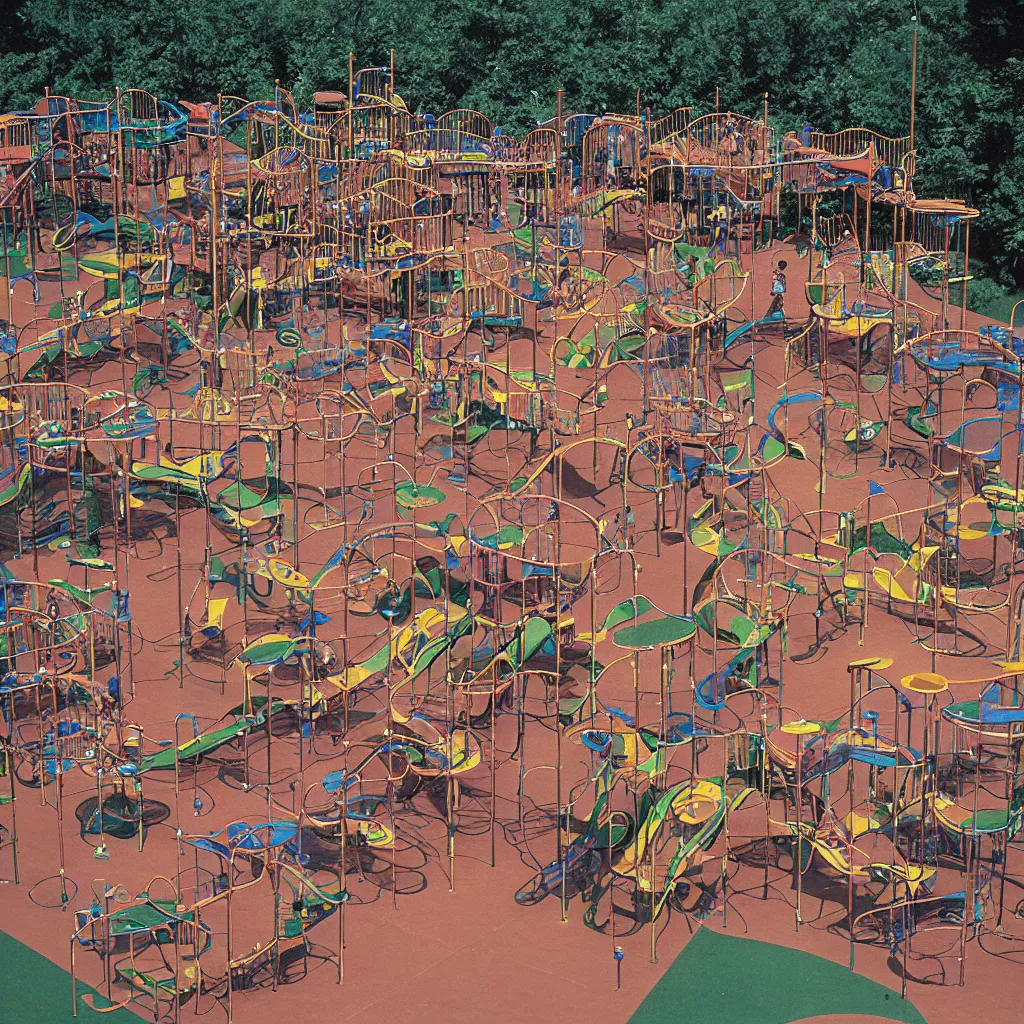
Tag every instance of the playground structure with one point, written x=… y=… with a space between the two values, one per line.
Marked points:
x=339 y=448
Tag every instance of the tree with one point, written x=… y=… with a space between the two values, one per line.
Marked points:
x=834 y=65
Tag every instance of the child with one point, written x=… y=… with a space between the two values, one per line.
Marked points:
x=777 y=307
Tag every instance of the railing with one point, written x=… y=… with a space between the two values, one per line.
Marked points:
x=671 y=125
x=855 y=142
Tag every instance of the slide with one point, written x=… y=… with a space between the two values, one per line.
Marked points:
x=206 y=742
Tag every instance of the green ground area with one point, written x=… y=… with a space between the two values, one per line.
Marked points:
x=732 y=979
x=997 y=303
x=34 y=990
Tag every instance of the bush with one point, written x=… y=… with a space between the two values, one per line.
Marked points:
x=991 y=299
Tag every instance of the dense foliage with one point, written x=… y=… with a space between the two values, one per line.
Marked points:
x=831 y=63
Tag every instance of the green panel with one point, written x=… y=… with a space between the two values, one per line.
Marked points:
x=733 y=980
x=33 y=990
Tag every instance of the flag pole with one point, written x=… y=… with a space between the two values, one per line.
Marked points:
x=913 y=80
x=867 y=556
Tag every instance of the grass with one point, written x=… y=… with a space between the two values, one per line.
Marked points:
x=991 y=299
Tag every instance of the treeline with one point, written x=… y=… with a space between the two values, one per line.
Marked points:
x=829 y=63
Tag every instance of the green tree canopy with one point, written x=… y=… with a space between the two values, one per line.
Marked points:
x=838 y=64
